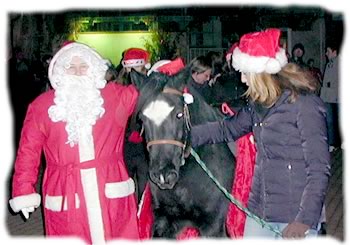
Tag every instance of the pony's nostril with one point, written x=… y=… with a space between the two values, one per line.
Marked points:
x=154 y=177
x=171 y=177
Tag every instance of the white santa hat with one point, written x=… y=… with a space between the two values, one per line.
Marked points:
x=260 y=52
x=136 y=57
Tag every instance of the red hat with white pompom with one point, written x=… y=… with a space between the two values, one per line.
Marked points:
x=168 y=67
x=136 y=57
x=260 y=52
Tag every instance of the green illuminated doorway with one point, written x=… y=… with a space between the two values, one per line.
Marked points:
x=112 y=45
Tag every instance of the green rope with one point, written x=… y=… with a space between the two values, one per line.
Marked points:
x=261 y=222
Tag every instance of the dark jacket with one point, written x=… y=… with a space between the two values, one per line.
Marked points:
x=292 y=164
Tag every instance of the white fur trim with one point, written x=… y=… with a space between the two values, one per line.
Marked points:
x=251 y=139
x=93 y=206
x=120 y=189
x=157 y=65
x=257 y=64
x=25 y=201
x=148 y=65
x=54 y=203
x=133 y=62
x=86 y=144
x=188 y=98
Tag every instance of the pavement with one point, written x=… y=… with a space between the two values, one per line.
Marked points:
x=33 y=227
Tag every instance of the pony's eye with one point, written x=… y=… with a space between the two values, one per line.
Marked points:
x=179 y=115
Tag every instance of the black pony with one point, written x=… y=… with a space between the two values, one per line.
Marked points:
x=182 y=193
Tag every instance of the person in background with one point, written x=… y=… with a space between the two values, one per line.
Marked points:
x=231 y=88
x=133 y=58
x=135 y=153
x=80 y=126
x=288 y=121
x=298 y=52
x=111 y=73
x=315 y=72
x=217 y=64
x=201 y=71
x=330 y=94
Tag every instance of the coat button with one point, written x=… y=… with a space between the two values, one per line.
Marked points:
x=289 y=166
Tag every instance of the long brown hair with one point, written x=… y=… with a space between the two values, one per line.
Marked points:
x=266 y=88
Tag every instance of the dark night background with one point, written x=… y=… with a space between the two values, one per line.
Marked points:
x=36 y=34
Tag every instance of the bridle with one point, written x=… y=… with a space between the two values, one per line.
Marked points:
x=187 y=127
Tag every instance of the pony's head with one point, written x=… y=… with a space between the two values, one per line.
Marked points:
x=165 y=118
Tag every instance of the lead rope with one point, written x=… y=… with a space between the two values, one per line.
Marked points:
x=261 y=222
x=187 y=117
x=187 y=130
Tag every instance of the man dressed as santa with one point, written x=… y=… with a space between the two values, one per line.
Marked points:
x=80 y=126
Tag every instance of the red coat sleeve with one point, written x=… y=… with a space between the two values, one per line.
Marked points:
x=28 y=155
x=129 y=98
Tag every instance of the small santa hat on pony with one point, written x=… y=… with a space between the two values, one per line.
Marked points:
x=260 y=52
x=168 y=67
x=136 y=57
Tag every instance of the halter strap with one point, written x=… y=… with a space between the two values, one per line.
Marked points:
x=172 y=91
x=165 y=142
x=169 y=141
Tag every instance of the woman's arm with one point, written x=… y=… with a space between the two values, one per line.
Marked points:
x=223 y=131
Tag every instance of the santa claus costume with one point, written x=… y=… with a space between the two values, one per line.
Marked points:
x=80 y=127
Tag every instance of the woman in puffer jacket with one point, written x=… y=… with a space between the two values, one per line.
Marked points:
x=288 y=121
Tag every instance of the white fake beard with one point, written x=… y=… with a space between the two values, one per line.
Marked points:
x=78 y=102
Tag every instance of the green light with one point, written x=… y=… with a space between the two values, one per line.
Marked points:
x=112 y=45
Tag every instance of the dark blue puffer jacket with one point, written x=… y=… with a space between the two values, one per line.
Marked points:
x=292 y=164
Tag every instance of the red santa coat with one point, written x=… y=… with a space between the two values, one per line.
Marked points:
x=93 y=200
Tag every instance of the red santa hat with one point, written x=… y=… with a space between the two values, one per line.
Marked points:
x=167 y=67
x=260 y=52
x=136 y=57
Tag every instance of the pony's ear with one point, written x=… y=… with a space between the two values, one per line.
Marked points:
x=157 y=77
x=180 y=79
x=150 y=87
x=137 y=78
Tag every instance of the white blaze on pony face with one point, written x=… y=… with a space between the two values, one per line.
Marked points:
x=157 y=111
